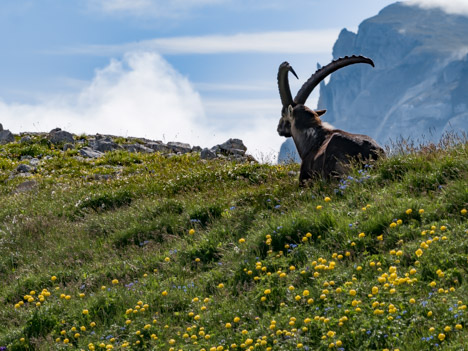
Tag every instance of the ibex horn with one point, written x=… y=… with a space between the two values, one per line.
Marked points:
x=323 y=72
x=283 y=83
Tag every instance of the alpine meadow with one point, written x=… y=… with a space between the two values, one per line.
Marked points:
x=147 y=251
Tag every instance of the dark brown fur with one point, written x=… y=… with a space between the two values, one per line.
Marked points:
x=326 y=152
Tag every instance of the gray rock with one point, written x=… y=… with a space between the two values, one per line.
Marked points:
x=58 y=136
x=90 y=153
x=216 y=149
x=237 y=157
x=137 y=148
x=196 y=149
x=34 y=162
x=237 y=152
x=24 y=168
x=179 y=147
x=6 y=136
x=1 y=127
x=26 y=186
x=207 y=154
x=233 y=146
x=67 y=147
x=158 y=146
x=105 y=145
x=26 y=139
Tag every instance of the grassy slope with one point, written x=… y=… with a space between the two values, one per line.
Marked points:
x=250 y=255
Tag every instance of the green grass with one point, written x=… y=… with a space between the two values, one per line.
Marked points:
x=138 y=251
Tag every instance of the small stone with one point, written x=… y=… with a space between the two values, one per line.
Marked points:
x=34 y=162
x=24 y=168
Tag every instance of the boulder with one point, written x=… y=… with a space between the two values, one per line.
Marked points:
x=207 y=154
x=105 y=145
x=233 y=146
x=90 y=153
x=137 y=148
x=6 y=136
x=179 y=147
x=58 y=136
x=158 y=146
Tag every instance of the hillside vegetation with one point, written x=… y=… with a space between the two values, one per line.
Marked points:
x=144 y=251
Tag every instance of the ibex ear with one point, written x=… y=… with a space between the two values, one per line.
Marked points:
x=320 y=112
x=290 y=112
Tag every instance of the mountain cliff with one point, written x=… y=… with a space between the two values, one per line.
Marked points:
x=419 y=86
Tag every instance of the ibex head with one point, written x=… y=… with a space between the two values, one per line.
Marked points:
x=302 y=117
x=284 y=125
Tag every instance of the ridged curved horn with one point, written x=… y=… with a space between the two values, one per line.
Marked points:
x=283 y=83
x=323 y=72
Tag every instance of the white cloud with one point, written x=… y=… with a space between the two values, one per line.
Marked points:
x=450 y=6
x=290 y=42
x=143 y=96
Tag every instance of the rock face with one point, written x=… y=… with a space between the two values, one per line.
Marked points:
x=419 y=86
x=288 y=152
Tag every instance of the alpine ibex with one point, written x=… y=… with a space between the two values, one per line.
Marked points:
x=324 y=151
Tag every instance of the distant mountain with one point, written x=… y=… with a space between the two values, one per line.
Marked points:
x=419 y=86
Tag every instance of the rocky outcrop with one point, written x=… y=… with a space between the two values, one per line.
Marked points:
x=419 y=86
x=94 y=146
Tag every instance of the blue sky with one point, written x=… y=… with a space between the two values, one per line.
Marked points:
x=196 y=71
